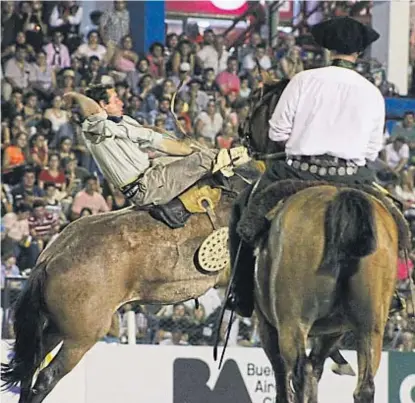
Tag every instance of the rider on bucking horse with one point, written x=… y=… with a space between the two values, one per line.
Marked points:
x=331 y=121
x=118 y=142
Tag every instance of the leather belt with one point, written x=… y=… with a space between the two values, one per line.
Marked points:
x=132 y=188
x=323 y=165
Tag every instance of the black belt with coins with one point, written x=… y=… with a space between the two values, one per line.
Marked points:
x=323 y=165
x=131 y=189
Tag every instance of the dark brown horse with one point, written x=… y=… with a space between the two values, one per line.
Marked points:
x=96 y=265
x=326 y=266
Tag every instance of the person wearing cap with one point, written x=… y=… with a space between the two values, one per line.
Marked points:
x=117 y=142
x=330 y=115
x=331 y=121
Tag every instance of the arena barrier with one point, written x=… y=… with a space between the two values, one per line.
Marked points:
x=172 y=374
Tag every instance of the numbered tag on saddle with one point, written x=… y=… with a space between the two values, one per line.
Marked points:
x=213 y=254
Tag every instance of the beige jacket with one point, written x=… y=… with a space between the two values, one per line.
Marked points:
x=116 y=147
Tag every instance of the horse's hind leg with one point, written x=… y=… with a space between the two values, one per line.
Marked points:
x=269 y=339
x=323 y=347
x=298 y=367
x=67 y=358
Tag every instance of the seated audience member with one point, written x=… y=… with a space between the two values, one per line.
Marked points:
x=42 y=225
x=89 y=197
x=53 y=174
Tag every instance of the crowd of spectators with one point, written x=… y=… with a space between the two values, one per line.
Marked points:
x=50 y=179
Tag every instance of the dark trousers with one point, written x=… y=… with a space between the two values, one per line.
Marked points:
x=242 y=289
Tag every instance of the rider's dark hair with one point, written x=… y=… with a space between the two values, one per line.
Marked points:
x=98 y=92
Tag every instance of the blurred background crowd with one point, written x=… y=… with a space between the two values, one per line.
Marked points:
x=50 y=179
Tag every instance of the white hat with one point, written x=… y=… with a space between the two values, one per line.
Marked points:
x=107 y=80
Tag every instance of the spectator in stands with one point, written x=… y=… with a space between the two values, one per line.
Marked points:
x=172 y=41
x=397 y=154
x=57 y=115
x=195 y=98
x=125 y=59
x=16 y=73
x=115 y=24
x=116 y=200
x=209 y=85
x=136 y=111
x=42 y=225
x=223 y=54
x=208 y=55
x=149 y=100
x=260 y=56
x=27 y=191
x=53 y=204
x=8 y=269
x=181 y=54
x=34 y=25
x=94 y=72
x=406 y=128
x=15 y=155
x=157 y=62
x=39 y=153
x=89 y=197
x=53 y=174
x=163 y=110
x=57 y=54
x=75 y=175
x=254 y=41
x=245 y=90
x=209 y=123
x=6 y=200
x=290 y=64
x=67 y=16
x=92 y=47
x=11 y=24
x=17 y=230
x=228 y=80
x=42 y=77
x=31 y=110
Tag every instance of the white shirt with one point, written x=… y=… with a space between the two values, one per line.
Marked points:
x=330 y=110
x=249 y=62
x=56 y=21
x=208 y=55
x=393 y=157
x=210 y=127
x=85 y=51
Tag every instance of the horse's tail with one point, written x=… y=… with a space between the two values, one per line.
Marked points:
x=349 y=229
x=29 y=322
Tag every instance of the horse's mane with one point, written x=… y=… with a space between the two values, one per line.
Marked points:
x=262 y=105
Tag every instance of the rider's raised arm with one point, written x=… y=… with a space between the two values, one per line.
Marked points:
x=378 y=122
x=281 y=122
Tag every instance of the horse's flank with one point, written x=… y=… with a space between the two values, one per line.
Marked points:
x=129 y=253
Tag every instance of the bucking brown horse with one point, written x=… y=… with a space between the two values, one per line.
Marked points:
x=97 y=264
x=326 y=265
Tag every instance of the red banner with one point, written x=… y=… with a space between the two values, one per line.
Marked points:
x=231 y=8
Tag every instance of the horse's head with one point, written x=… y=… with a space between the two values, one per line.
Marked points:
x=254 y=132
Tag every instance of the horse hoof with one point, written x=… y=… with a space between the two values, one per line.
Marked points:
x=343 y=369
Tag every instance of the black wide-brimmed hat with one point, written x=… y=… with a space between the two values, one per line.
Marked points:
x=345 y=35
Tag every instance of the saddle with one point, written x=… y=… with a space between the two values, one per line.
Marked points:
x=256 y=217
x=196 y=200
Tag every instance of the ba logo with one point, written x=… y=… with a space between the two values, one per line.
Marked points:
x=190 y=378
x=401 y=377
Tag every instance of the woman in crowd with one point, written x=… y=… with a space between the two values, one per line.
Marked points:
x=65 y=148
x=56 y=114
x=182 y=54
x=209 y=123
x=42 y=77
x=125 y=59
x=291 y=63
x=39 y=153
x=156 y=59
x=31 y=111
x=15 y=155
x=92 y=47
x=53 y=174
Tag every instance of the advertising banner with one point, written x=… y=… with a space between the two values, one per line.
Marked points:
x=173 y=374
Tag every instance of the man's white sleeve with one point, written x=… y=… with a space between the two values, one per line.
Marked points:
x=281 y=123
x=376 y=140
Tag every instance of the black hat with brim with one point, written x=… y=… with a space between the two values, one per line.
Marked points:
x=344 y=35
